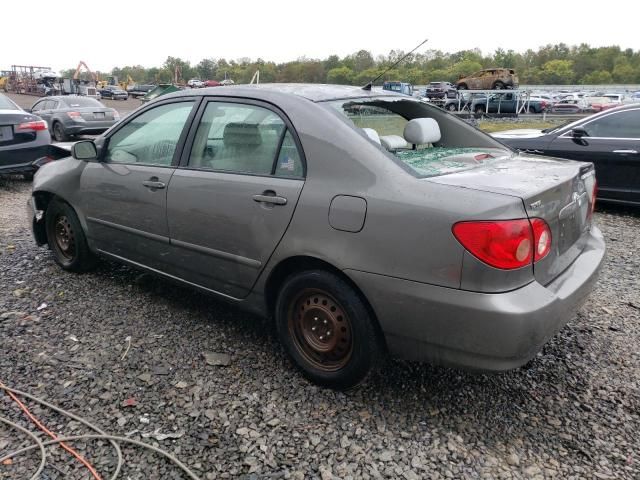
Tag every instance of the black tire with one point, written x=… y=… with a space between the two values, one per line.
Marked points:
x=452 y=107
x=343 y=360
x=480 y=110
x=67 y=239
x=59 y=134
x=28 y=176
x=498 y=85
x=462 y=86
x=532 y=110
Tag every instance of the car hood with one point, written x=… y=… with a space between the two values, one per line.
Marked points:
x=519 y=133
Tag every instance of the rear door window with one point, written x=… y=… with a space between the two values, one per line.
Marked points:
x=245 y=139
x=617 y=125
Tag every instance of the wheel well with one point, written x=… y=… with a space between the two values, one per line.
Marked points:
x=300 y=264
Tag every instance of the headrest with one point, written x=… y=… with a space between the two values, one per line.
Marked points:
x=421 y=131
x=393 y=142
x=236 y=134
x=372 y=134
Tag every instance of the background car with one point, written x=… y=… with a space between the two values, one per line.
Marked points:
x=74 y=115
x=508 y=103
x=489 y=79
x=441 y=90
x=195 y=83
x=113 y=92
x=24 y=138
x=571 y=105
x=212 y=83
x=611 y=140
x=221 y=193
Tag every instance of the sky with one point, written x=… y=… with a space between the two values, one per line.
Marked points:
x=115 y=33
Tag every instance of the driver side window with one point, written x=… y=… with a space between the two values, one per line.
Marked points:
x=150 y=138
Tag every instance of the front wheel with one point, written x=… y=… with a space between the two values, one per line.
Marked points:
x=66 y=238
x=498 y=86
x=452 y=107
x=326 y=328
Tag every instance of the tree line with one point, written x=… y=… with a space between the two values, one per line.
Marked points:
x=551 y=65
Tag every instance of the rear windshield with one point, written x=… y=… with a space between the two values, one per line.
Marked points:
x=6 y=104
x=81 y=102
x=383 y=121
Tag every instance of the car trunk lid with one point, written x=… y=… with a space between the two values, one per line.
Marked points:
x=557 y=191
x=10 y=134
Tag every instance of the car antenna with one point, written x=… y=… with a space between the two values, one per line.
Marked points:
x=370 y=84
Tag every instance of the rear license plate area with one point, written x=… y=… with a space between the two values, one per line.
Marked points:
x=6 y=133
x=98 y=115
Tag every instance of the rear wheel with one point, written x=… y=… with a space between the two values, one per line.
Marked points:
x=480 y=109
x=498 y=85
x=67 y=239
x=59 y=134
x=28 y=176
x=326 y=329
x=452 y=107
x=462 y=86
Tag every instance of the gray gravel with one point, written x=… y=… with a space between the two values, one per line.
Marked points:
x=215 y=378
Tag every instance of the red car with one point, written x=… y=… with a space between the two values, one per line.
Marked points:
x=212 y=83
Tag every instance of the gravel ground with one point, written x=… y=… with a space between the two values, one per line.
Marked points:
x=573 y=412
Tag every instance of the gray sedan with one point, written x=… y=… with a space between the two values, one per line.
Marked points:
x=74 y=115
x=360 y=221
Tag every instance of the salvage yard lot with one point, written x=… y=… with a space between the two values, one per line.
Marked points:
x=573 y=412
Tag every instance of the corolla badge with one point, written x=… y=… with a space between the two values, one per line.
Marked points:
x=536 y=205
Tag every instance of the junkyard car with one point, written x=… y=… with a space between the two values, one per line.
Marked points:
x=24 y=139
x=361 y=221
x=75 y=115
x=611 y=140
x=489 y=79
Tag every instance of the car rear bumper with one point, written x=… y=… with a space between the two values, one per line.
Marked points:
x=478 y=330
x=89 y=128
x=20 y=160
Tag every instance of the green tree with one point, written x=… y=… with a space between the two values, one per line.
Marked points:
x=557 y=72
x=340 y=75
x=600 y=77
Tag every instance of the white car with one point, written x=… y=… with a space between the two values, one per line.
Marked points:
x=195 y=83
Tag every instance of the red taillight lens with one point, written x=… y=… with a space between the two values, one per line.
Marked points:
x=32 y=126
x=74 y=114
x=541 y=238
x=593 y=199
x=504 y=244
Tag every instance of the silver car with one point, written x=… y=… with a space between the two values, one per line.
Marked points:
x=360 y=221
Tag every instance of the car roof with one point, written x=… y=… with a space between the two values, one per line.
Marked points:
x=310 y=91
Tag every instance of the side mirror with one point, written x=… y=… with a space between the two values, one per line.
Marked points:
x=84 y=150
x=579 y=132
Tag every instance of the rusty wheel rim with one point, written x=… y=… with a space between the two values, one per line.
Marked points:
x=321 y=330
x=64 y=237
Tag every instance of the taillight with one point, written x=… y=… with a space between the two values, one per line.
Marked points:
x=32 y=126
x=593 y=197
x=74 y=115
x=505 y=244
x=541 y=238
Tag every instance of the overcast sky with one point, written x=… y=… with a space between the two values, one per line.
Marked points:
x=111 y=33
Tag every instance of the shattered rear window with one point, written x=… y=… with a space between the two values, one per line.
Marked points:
x=429 y=162
x=383 y=120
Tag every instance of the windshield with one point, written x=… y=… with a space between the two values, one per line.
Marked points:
x=454 y=144
x=6 y=104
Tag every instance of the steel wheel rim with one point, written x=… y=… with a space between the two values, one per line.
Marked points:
x=320 y=329
x=64 y=237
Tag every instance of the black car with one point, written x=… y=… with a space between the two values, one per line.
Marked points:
x=113 y=92
x=24 y=139
x=610 y=139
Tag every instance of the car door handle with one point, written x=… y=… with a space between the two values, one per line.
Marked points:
x=273 y=198
x=627 y=152
x=153 y=183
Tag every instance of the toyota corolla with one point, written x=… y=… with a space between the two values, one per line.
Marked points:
x=361 y=221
